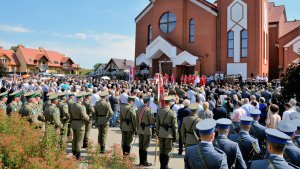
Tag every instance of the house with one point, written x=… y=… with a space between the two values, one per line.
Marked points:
x=9 y=60
x=118 y=65
x=251 y=37
x=41 y=60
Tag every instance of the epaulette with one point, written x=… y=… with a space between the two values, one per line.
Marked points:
x=219 y=150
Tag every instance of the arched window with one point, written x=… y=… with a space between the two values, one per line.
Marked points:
x=230 y=44
x=167 y=22
x=192 y=31
x=149 y=34
x=244 y=43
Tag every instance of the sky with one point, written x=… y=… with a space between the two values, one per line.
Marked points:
x=88 y=31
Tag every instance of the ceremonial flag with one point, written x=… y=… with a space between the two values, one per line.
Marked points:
x=172 y=79
x=131 y=74
x=160 y=87
x=166 y=78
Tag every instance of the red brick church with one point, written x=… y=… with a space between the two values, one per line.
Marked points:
x=251 y=37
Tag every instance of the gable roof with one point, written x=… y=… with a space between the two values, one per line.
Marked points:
x=10 y=54
x=275 y=12
x=121 y=63
x=288 y=27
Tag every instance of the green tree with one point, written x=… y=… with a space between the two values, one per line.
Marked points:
x=290 y=83
x=96 y=66
x=3 y=70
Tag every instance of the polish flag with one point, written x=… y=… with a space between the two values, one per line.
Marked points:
x=131 y=74
x=172 y=79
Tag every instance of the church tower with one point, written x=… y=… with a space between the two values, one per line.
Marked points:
x=243 y=37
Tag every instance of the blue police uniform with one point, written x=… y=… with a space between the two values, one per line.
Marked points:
x=297 y=136
x=274 y=160
x=247 y=143
x=205 y=155
x=257 y=130
x=232 y=150
x=292 y=152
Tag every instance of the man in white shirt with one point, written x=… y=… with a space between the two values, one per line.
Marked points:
x=124 y=96
x=191 y=95
x=288 y=110
x=95 y=97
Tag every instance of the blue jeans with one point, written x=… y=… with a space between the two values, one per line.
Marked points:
x=114 y=118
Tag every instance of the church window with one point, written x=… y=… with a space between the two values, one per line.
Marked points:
x=167 y=22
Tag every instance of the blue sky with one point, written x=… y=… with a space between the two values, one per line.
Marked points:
x=89 y=31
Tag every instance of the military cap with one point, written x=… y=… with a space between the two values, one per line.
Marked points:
x=53 y=96
x=29 y=94
x=168 y=99
x=295 y=115
x=17 y=93
x=62 y=94
x=4 y=94
x=71 y=94
x=37 y=94
x=255 y=112
x=246 y=120
x=88 y=94
x=194 y=106
x=131 y=98
x=80 y=95
x=146 y=98
x=224 y=123
x=206 y=126
x=287 y=127
x=276 y=136
x=297 y=123
x=49 y=94
x=103 y=94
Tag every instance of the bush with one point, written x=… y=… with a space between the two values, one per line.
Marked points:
x=23 y=146
x=290 y=83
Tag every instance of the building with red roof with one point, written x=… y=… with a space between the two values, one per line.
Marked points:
x=37 y=60
x=251 y=37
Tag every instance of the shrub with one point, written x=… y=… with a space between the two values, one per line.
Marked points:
x=24 y=146
x=290 y=83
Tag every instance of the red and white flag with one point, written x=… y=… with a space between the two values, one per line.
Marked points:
x=131 y=74
x=172 y=79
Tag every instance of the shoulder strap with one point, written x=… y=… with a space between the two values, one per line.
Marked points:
x=165 y=117
x=201 y=157
x=191 y=128
x=270 y=164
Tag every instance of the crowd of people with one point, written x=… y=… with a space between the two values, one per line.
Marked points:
x=217 y=125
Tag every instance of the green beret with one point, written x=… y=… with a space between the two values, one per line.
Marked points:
x=4 y=94
x=16 y=94
x=29 y=95
x=53 y=96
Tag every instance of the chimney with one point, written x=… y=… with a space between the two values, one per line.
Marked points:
x=41 y=48
x=21 y=46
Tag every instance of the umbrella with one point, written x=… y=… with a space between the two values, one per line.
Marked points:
x=65 y=86
x=105 y=78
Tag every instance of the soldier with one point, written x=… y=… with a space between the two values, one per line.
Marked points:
x=64 y=114
x=28 y=110
x=39 y=101
x=189 y=131
x=257 y=130
x=277 y=141
x=52 y=114
x=103 y=114
x=292 y=152
x=90 y=112
x=15 y=105
x=39 y=106
x=48 y=102
x=232 y=150
x=145 y=120
x=166 y=130
x=205 y=155
x=297 y=134
x=248 y=145
x=3 y=100
x=127 y=124
x=78 y=119
x=70 y=101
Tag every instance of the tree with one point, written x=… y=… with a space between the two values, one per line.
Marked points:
x=290 y=83
x=96 y=66
x=3 y=70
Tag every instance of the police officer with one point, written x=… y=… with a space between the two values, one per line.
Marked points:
x=90 y=112
x=78 y=119
x=29 y=111
x=205 y=155
x=103 y=113
x=292 y=152
x=297 y=134
x=232 y=150
x=166 y=130
x=128 y=124
x=189 y=132
x=52 y=113
x=249 y=145
x=277 y=141
x=257 y=130
x=3 y=100
x=64 y=114
x=15 y=105
x=145 y=120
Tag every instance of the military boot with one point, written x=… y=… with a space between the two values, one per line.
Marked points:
x=141 y=157
x=145 y=162
x=102 y=149
x=78 y=155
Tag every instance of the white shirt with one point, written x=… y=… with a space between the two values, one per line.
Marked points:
x=153 y=106
x=286 y=114
x=191 y=96
x=123 y=98
x=95 y=98
x=175 y=108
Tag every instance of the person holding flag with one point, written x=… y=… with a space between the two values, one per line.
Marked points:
x=172 y=79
